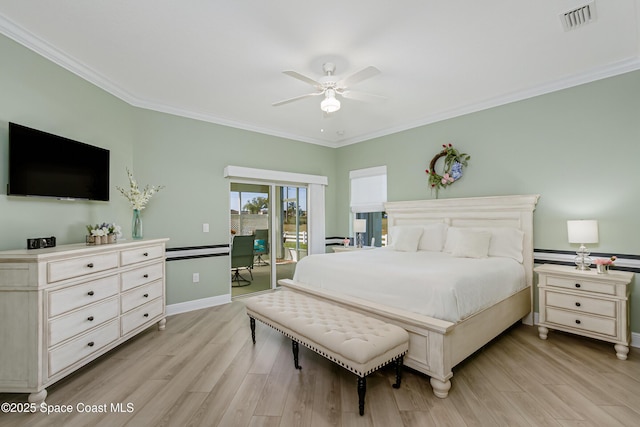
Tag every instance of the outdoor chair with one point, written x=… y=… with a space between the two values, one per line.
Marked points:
x=261 y=246
x=241 y=259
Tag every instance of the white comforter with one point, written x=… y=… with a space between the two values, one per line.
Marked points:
x=435 y=284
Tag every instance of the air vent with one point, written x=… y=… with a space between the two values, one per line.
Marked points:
x=579 y=16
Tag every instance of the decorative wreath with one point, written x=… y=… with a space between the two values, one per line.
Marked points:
x=453 y=163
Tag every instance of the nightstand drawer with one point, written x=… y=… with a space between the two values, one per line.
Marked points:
x=598 y=325
x=581 y=304
x=582 y=285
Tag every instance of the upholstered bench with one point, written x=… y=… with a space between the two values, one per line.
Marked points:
x=356 y=342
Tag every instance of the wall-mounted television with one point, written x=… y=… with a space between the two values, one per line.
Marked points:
x=46 y=165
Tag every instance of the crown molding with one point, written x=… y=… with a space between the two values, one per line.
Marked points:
x=61 y=58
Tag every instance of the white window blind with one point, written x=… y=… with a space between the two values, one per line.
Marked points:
x=368 y=189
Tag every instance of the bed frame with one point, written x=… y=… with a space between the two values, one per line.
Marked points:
x=436 y=346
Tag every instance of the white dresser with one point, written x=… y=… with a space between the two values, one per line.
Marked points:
x=585 y=303
x=62 y=307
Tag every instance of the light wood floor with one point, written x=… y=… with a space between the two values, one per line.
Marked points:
x=204 y=371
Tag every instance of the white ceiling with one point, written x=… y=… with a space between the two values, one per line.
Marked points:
x=222 y=61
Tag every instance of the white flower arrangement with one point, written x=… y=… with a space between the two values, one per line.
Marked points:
x=103 y=229
x=137 y=198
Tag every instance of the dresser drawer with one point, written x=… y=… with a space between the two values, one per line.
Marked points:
x=79 y=321
x=80 y=266
x=582 y=285
x=141 y=315
x=77 y=349
x=146 y=253
x=142 y=275
x=582 y=304
x=72 y=297
x=141 y=295
x=585 y=322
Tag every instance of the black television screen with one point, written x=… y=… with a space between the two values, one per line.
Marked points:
x=42 y=164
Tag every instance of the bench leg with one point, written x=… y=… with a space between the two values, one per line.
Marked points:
x=294 y=346
x=362 y=389
x=252 y=323
x=398 y=363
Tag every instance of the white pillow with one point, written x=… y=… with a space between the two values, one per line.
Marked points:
x=433 y=236
x=472 y=244
x=505 y=241
x=406 y=238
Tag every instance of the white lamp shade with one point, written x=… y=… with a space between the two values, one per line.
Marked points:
x=360 y=225
x=582 y=231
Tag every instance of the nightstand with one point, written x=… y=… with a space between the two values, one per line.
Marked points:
x=585 y=303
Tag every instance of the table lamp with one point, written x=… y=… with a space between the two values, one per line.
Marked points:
x=582 y=231
x=359 y=227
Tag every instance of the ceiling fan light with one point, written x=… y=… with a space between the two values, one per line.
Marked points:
x=330 y=104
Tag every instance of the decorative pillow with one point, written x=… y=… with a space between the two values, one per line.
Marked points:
x=406 y=238
x=472 y=244
x=433 y=236
x=505 y=241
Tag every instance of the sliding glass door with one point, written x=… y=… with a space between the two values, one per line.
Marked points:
x=250 y=216
x=291 y=225
x=276 y=217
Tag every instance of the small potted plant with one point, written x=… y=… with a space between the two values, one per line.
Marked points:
x=603 y=264
x=102 y=233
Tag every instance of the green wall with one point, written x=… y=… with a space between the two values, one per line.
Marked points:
x=186 y=156
x=577 y=148
x=37 y=93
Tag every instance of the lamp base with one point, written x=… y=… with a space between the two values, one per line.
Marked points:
x=359 y=240
x=582 y=259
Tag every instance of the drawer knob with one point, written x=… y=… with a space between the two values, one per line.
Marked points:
x=577 y=304
x=90 y=293
x=578 y=321
x=146 y=276
x=146 y=254
x=146 y=295
x=577 y=285
x=90 y=265
x=90 y=318
x=90 y=344
x=146 y=315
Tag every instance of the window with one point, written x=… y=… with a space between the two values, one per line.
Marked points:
x=368 y=195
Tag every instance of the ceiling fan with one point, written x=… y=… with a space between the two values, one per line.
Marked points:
x=331 y=87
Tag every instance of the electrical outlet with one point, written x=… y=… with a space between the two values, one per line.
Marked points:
x=205 y=228
x=196 y=277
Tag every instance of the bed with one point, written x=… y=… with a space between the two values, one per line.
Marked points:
x=383 y=282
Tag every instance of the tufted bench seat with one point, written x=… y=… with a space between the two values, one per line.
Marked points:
x=357 y=342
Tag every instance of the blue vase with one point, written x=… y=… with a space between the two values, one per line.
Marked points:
x=136 y=225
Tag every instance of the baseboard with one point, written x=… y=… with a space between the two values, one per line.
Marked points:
x=635 y=336
x=183 y=307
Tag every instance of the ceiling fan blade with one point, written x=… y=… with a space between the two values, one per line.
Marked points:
x=309 y=80
x=361 y=96
x=286 y=101
x=359 y=76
